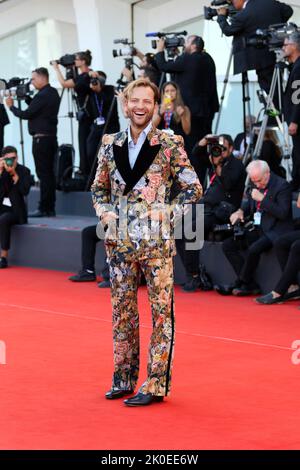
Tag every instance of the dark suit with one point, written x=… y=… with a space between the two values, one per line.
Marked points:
x=292 y=114
x=258 y=14
x=17 y=213
x=276 y=219
x=3 y=122
x=195 y=75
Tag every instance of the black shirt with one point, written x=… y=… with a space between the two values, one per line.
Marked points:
x=100 y=104
x=42 y=112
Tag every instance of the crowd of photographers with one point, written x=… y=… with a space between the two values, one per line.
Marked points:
x=248 y=208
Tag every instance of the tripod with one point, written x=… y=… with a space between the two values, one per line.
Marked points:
x=21 y=134
x=245 y=91
x=270 y=111
x=72 y=109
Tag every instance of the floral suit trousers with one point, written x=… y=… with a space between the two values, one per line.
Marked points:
x=124 y=277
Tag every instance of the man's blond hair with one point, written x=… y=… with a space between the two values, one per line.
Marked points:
x=141 y=82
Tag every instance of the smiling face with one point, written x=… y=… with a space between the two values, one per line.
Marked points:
x=140 y=106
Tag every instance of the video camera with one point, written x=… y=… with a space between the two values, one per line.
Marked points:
x=272 y=37
x=172 y=41
x=17 y=88
x=211 y=12
x=215 y=145
x=67 y=60
x=127 y=51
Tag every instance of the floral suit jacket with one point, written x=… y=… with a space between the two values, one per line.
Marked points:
x=133 y=193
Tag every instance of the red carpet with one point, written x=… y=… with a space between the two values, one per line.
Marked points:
x=234 y=385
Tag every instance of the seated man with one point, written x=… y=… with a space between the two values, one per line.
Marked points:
x=89 y=240
x=14 y=185
x=223 y=196
x=287 y=248
x=269 y=206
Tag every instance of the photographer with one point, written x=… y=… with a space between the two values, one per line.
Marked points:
x=195 y=74
x=14 y=185
x=252 y=15
x=291 y=50
x=223 y=196
x=101 y=99
x=269 y=206
x=42 y=124
x=81 y=84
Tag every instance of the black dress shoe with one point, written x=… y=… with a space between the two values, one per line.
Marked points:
x=268 y=299
x=3 y=263
x=224 y=289
x=141 y=399
x=246 y=289
x=192 y=284
x=115 y=393
x=83 y=276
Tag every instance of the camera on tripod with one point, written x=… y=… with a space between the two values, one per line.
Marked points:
x=215 y=145
x=17 y=88
x=211 y=12
x=172 y=41
x=127 y=51
x=67 y=60
x=272 y=37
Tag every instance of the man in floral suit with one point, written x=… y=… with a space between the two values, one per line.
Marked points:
x=132 y=189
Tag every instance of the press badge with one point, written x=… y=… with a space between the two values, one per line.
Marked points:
x=257 y=218
x=100 y=121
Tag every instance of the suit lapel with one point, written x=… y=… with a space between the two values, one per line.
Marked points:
x=145 y=158
x=147 y=154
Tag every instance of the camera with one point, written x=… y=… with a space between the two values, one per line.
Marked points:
x=67 y=60
x=272 y=37
x=97 y=81
x=17 y=88
x=238 y=230
x=127 y=51
x=215 y=145
x=9 y=162
x=211 y=12
x=172 y=41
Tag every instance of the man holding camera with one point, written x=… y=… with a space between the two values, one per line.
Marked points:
x=195 y=73
x=14 y=185
x=104 y=112
x=42 y=115
x=223 y=196
x=269 y=207
x=252 y=15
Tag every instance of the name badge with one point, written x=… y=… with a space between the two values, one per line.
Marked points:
x=100 y=121
x=257 y=218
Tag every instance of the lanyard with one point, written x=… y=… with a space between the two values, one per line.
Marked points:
x=259 y=202
x=167 y=118
x=99 y=105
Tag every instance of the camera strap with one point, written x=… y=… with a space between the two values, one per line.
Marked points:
x=100 y=121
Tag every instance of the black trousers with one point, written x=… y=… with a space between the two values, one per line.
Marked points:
x=287 y=249
x=7 y=220
x=255 y=243
x=296 y=163
x=44 y=150
x=84 y=128
x=264 y=77
x=189 y=258
x=89 y=241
